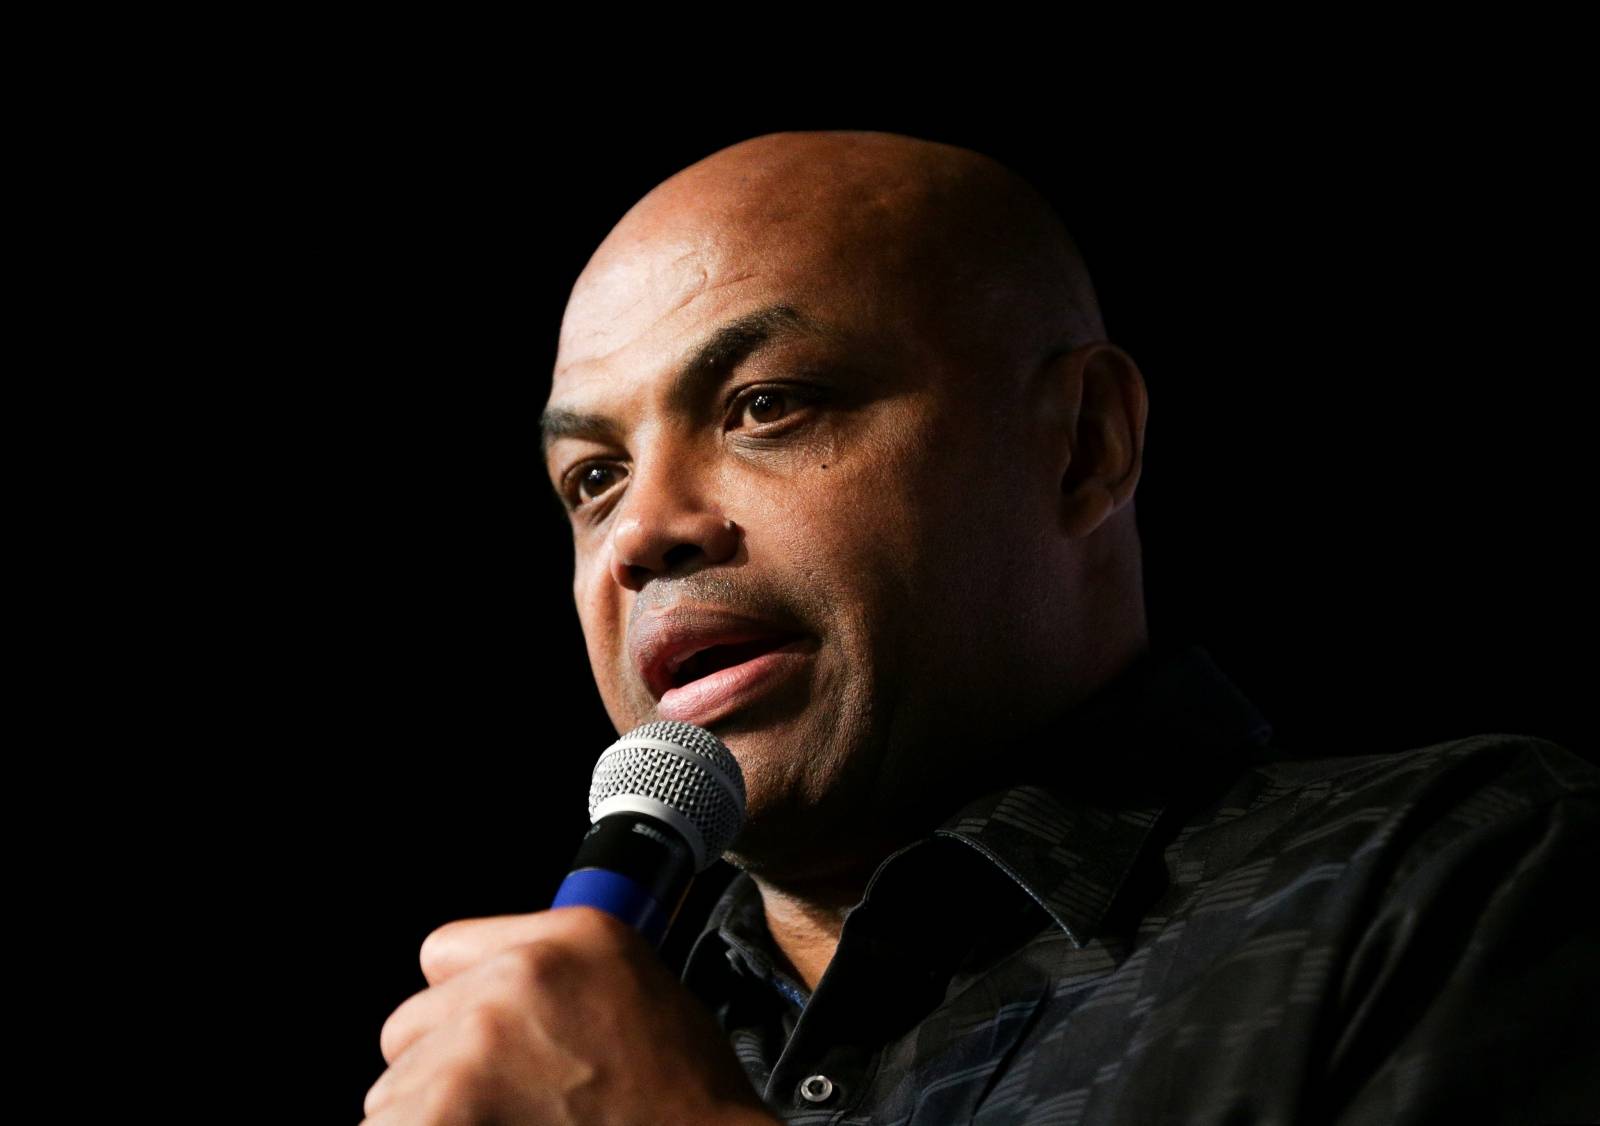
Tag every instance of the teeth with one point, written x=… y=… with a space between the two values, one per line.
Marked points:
x=678 y=662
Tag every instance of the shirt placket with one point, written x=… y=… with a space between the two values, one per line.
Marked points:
x=876 y=987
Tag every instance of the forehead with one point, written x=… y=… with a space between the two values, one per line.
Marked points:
x=655 y=298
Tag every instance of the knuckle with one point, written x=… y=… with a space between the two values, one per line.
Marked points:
x=484 y=1032
x=582 y=916
x=600 y=924
x=456 y=1096
x=377 y=1096
x=434 y=950
x=539 y=965
x=596 y=931
x=392 y=1035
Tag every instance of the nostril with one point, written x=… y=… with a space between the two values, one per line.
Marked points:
x=678 y=555
x=640 y=573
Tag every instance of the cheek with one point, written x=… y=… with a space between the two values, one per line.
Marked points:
x=918 y=544
x=850 y=536
x=597 y=616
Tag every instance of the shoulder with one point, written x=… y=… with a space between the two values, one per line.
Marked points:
x=1419 y=913
x=1477 y=836
x=1363 y=826
x=1467 y=958
x=1535 y=767
x=1424 y=795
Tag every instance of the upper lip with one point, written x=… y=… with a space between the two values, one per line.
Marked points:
x=662 y=642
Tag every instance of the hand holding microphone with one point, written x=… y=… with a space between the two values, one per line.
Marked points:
x=568 y=1015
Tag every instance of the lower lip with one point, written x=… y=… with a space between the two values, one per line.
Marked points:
x=711 y=697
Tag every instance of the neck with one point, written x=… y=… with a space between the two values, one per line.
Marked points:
x=806 y=918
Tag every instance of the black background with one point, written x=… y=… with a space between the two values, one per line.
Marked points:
x=1365 y=480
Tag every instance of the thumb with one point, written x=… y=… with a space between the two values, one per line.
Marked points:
x=464 y=943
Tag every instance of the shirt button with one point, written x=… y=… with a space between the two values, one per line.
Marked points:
x=816 y=1089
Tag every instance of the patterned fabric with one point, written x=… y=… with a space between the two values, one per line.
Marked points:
x=1171 y=922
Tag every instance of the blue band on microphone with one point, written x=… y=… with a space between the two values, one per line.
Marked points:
x=616 y=895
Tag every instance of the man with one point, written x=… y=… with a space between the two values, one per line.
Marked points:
x=850 y=470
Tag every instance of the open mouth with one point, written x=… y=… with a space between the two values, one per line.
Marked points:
x=718 y=657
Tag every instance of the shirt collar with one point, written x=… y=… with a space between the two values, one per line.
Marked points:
x=1107 y=771
x=1098 y=779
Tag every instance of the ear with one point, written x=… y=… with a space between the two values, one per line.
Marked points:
x=1098 y=432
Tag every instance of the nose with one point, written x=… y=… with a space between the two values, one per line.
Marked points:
x=664 y=528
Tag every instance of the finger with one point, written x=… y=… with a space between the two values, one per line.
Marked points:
x=525 y=971
x=422 y=1012
x=438 y=1071
x=415 y=1017
x=459 y=945
x=436 y=1107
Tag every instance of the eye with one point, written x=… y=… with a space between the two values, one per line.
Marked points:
x=587 y=482
x=763 y=405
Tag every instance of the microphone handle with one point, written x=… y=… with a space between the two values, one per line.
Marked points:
x=633 y=866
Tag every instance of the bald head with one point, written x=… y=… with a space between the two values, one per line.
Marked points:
x=945 y=243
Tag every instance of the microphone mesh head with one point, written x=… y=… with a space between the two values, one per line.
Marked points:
x=685 y=768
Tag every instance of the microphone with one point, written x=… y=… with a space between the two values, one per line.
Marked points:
x=665 y=801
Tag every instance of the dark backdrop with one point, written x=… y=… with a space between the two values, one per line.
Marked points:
x=1364 y=488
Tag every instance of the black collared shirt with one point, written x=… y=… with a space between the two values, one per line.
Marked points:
x=1200 y=931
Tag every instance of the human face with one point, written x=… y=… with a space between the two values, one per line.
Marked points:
x=878 y=513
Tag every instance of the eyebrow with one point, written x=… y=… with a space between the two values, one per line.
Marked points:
x=724 y=349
